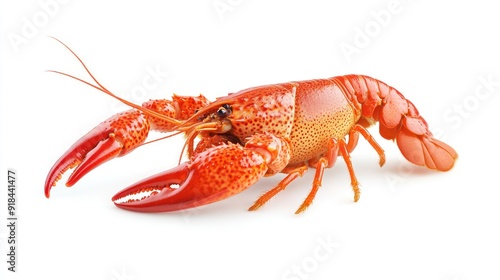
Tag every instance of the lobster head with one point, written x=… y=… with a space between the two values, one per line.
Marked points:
x=264 y=109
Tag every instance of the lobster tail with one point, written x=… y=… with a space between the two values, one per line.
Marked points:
x=399 y=120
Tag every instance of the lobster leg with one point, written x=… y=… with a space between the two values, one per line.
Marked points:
x=293 y=174
x=326 y=161
x=353 y=140
x=347 y=158
x=346 y=149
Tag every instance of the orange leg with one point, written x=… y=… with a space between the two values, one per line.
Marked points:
x=345 y=149
x=318 y=176
x=353 y=141
x=347 y=158
x=328 y=160
x=330 y=157
x=292 y=175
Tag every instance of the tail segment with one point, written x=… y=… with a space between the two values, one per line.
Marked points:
x=399 y=120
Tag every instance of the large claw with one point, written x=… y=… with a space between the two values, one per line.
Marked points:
x=114 y=137
x=212 y=175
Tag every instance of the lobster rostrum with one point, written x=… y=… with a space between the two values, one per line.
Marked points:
x=244 y=136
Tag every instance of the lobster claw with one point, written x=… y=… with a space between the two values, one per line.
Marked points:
x=114 y=137
x=212 y=175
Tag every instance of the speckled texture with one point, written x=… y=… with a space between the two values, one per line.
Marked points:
x=126 y=131
x=179 y=108
x=131 y=128
x=228 y=168
x=213 y=175
x=275 y=150
x=266 y=109
x=309 y=113
x=322 y=112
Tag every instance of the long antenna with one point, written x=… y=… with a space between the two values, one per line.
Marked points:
x=100 y=87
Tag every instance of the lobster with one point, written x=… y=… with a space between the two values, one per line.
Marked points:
x=234 y=141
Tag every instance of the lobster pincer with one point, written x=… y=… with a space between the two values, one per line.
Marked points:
x=213 y=175
x=114 y=137
x=119 y=135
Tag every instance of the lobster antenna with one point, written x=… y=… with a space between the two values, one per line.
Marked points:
x=196 y=129
x=161 y=138
x=189 y=138
x=100 y=87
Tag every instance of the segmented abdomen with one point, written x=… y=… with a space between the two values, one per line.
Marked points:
x=398 y=119
x=378 y=101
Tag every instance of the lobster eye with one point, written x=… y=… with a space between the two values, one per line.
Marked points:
x=224 y=111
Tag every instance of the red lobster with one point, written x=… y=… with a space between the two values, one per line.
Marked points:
x=253 y=133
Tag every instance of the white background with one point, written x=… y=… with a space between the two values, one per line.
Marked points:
x=410 y=223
